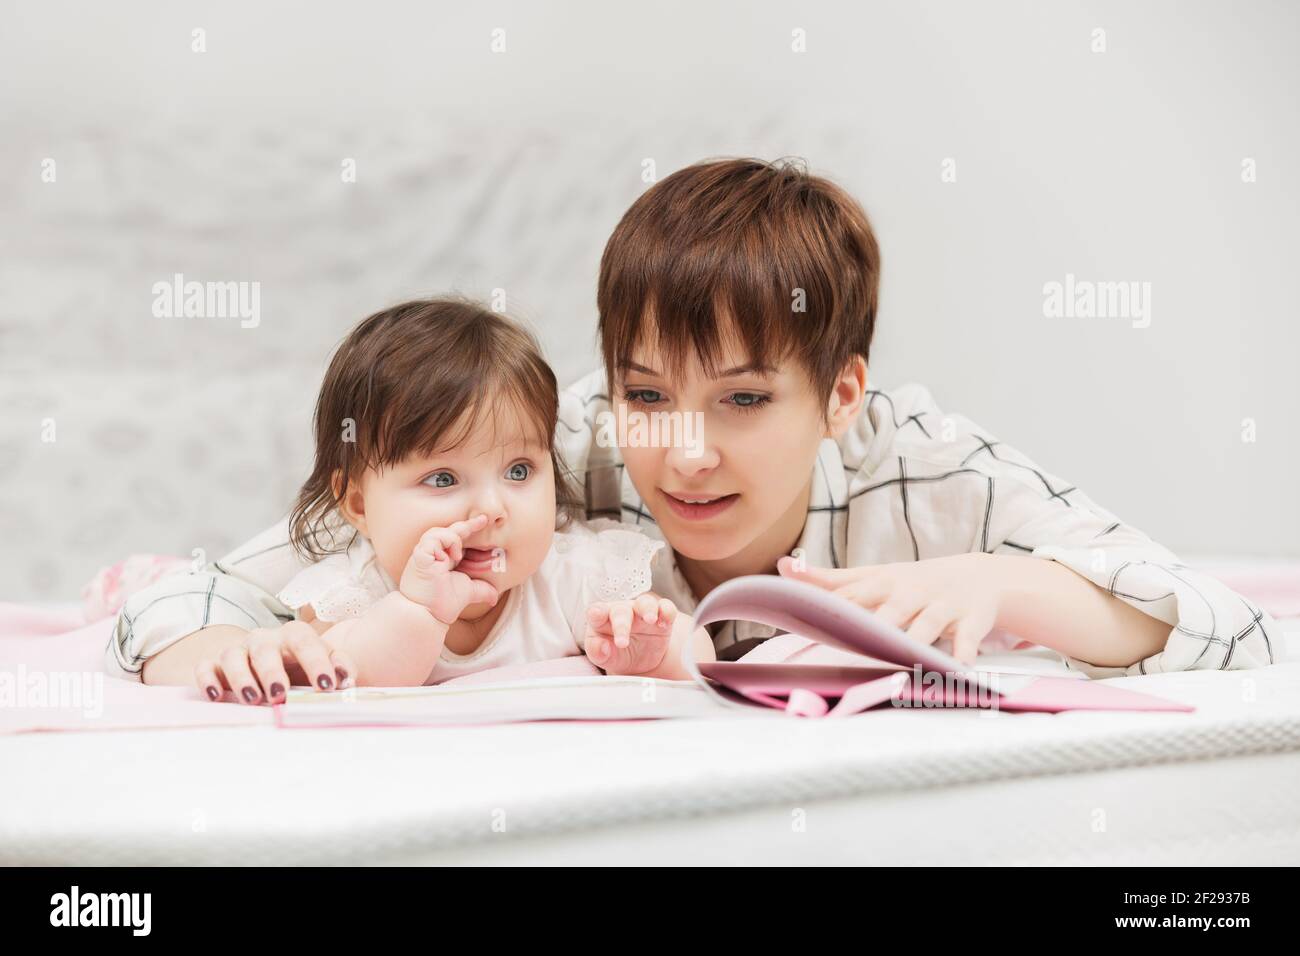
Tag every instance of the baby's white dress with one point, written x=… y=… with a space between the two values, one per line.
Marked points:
x=544 y=617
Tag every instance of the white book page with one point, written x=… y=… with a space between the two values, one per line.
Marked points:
x=546 y=698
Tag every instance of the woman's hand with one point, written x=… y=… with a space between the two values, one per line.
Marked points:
x=256 y=671
x=959 y=596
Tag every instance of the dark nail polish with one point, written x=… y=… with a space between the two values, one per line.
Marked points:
x=342 y=674
x=250 y=695
x=214 y=694
x=324 y=682
x=277 y=691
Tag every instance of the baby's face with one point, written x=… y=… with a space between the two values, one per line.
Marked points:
x=499 y=472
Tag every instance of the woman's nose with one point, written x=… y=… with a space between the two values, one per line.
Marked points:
x=693 y=458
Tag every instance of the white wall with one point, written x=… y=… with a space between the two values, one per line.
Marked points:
x=480 y=170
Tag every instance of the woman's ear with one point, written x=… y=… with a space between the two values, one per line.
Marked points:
x=846 y=398
x=351 y=503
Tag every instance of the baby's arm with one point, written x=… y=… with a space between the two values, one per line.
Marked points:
x=644 y=637
x=684 y=632
x=394 y=643
x=399 y=638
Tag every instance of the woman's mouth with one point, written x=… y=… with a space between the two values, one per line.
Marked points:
x=698 y=506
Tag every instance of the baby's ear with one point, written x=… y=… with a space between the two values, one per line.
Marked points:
x=350 y=502
x=846 y=397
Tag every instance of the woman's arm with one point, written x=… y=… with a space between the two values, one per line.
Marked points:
x=1050 y=604
x=932 y=485
x=164 y=629
x=175 y=665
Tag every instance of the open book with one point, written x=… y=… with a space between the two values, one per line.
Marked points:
x=878 y=663
x=872 y=664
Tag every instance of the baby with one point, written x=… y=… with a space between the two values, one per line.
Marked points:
x=443 y=524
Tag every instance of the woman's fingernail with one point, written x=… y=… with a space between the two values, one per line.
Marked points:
x=214 y=694
x=250 y=695
x=277 y=690
x=341 y=673
x=324 y=682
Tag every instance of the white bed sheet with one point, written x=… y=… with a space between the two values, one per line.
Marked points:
x=889 y=787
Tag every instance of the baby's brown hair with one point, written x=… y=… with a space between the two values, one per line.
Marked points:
x=414 y=379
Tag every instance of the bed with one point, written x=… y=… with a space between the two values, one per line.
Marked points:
x=891 y=787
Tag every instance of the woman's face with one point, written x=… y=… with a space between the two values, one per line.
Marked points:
x=748 y=468
x=498 y=471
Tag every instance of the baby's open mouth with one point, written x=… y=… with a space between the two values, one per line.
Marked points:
x=481 y=555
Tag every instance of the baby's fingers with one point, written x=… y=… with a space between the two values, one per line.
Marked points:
x=620 y=621
x=667 y=613
x=482 y=592
x=432 y=548
x=598 y=615
x=647 y=608
x=613 y=620
x=463 y=529
x=597 y=648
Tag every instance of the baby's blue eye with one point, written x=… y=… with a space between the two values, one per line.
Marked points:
x=440 y=479
x=519 y=471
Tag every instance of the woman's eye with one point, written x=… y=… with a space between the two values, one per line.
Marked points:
x=748 y=401
x=643 y=396
x=519 y=471
x=440 y=479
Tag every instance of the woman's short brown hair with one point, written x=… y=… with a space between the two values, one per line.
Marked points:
x=739 y=246
x=415 y=379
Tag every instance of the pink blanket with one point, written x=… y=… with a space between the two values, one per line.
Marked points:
x=52 y=678
x=1274 y=587
x=52 y=675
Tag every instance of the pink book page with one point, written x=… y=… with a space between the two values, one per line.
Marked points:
x=826 y=654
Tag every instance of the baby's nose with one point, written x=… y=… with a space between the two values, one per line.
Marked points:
x=493 y=509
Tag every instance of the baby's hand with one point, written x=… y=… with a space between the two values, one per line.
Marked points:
x=431 y=578
x=629 y=637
